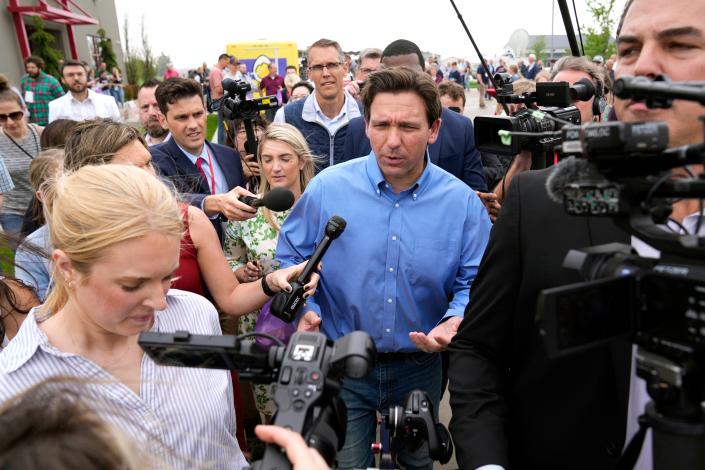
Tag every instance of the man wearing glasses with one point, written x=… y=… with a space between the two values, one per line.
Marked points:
x=323 y=117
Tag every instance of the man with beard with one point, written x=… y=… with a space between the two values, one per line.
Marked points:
x=38 y=89
x=81 y=103
x=155 y=133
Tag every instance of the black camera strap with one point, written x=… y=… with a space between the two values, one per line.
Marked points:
x=633 y=450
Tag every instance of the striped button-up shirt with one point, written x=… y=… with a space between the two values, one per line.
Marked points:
x=182 y=418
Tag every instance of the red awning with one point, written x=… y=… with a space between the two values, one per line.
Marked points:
x=63 y=14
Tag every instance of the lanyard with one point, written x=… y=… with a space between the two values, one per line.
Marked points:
x=210 y=167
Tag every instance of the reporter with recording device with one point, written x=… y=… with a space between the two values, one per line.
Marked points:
x=518 y=409
x=568 y=69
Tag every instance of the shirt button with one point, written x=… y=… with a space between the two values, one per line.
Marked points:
x=388 y=330
x=394 y=237
x=396 y=205
x=391 y=270
x=389 y=301
x=386 y=186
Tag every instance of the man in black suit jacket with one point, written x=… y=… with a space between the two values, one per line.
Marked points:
x=454 y=150
x=208 y=176
x=511 y=405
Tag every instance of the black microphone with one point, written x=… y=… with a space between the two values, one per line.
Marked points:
x=639 y=88
x=286 y=305
x=277 y=200
x=582 y=90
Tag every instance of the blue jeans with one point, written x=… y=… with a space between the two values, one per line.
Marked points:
x=387 y=385
x=221 y=128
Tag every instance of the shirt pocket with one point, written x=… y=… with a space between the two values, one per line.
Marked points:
x=432 y=258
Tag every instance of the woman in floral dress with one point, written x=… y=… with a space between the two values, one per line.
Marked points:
x=286 y=162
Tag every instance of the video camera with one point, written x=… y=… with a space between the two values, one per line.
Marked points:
x=305 y=377
x=532 y=131
x=623 y=170
x=236 y=105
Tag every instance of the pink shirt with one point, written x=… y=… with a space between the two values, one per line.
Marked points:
x=170 y=74
x=216 y=79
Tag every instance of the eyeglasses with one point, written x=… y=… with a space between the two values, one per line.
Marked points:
x=15 y=116
x=332 y=67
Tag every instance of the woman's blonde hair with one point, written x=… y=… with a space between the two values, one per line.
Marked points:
x=291 y=80
x=291 y=136
x=97 y=207
x=44 y=166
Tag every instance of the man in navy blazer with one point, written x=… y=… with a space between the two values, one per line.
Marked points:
x=454 y=150
x=208 y=176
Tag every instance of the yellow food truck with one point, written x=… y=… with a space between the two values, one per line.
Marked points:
x=259 y=54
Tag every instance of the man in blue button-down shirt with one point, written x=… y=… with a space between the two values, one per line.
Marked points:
x=402 y=269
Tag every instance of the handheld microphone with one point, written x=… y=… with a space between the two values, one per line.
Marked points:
x=582 y=189
x=286 y=305
x=567 y=171
x=277 y=200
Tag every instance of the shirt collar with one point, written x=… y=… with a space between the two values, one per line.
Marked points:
x=193 y=157
x=311 y=108
x=91 y=96
x=374 y=173
x=24 y=345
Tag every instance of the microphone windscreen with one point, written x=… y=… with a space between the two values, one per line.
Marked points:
x=278 y=199
x=567 y=171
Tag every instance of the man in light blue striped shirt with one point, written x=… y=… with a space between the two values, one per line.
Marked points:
x=402 y=269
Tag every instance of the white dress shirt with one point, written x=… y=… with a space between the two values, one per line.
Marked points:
x=96 y=105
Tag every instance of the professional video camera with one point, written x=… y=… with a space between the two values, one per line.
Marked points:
x=624 y=171
x=533 y=131
x=305 y=378
x=235 y=105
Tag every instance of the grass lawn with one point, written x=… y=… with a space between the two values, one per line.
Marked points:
x=7 y=260
x=211 y=126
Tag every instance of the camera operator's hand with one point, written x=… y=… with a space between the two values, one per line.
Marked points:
x=438 y=338
x=250 y=167
x=309 y=322
x=353 y=88
x=522 y=162
x=280 y=278
x=491 y=204
x=229 y=205
x=301 y=456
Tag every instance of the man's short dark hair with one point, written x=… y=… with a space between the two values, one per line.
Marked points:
x=624 y=15
x=33 y=59
x=404 y=47
x=302 y=84
x=401 y=79
x=323 y=43
x=451 y=89
x=174 y=89
x=72 y=63
x=151 y=83
x=223 y=56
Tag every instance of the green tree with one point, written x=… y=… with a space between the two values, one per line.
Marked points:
x=132 y=70
x=42 y=46
x=107 y=54
x=539 y=48
x=149 y=70
x=598 y=40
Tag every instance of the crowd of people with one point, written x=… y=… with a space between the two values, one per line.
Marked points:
x=118 y=229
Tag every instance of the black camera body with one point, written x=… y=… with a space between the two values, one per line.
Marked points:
x=416 y=423
x=556 y=100
x=305 y=377
x=235 y=104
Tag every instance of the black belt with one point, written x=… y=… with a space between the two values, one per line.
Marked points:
x=387 y=357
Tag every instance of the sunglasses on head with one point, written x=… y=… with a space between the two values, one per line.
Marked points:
x=16 y=116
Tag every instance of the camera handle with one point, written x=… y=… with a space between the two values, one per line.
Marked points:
x=675 y=415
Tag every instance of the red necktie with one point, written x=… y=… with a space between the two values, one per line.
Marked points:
x=199 y=165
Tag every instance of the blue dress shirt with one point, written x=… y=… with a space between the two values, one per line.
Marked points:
x=404 y=262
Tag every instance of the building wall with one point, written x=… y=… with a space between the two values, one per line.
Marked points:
x=102 y=10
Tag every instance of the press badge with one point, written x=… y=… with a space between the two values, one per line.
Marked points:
x=29 y=96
